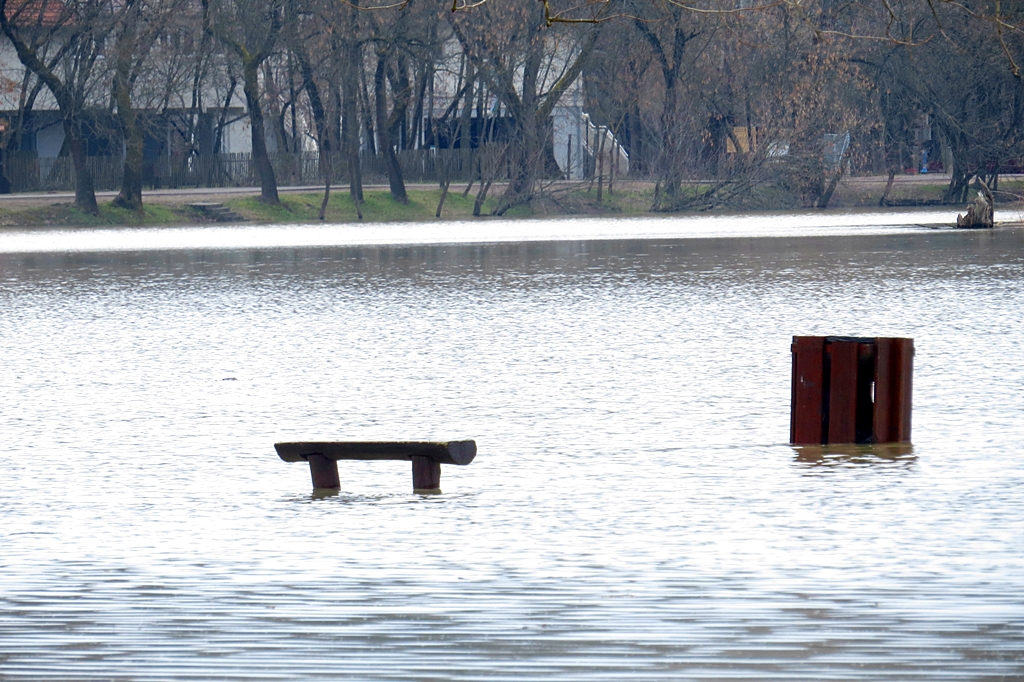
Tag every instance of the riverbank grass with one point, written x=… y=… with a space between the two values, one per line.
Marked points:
x=65 y=214
x=378 y=206
x=627 y=199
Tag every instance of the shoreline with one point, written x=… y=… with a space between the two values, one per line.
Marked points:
x=460 y=234
x=300 y=205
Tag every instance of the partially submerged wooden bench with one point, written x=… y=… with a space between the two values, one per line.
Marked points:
x=426 y=458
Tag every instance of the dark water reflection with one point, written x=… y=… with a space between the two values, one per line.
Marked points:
x=846 y=455
x=634 y=511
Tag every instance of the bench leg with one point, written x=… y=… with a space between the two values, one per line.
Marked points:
x=324 y=471
x=426 y=475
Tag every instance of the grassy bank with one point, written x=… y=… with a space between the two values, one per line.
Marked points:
x=627 y=199
x=378 y=206
x=632 y=199
x=64 y=214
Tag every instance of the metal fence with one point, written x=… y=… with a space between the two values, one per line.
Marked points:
x=29 y=173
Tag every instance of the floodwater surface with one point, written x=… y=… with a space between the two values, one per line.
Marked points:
x=634 y=511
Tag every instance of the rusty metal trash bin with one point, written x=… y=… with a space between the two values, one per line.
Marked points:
x=851 y=390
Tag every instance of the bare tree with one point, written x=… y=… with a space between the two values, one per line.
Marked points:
x=60 y=44
x=510 y=47
x=250 y=30
x=139 y=26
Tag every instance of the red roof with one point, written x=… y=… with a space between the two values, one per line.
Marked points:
x=43 y=13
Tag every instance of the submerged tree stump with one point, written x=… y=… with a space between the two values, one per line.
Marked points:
x=980 y=212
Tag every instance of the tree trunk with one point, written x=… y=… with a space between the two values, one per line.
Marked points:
x=85 y=194
x=670 y=172
x=325 y=169
x=334 y=97
x=384 y=132
x=526 y=145
x=827 y=196
x=367 y=113
x=323 y=132
x=260 y=157
x=350 y=118
x=481 y=197
x=445 y=184
x=960 y=175
x=464 y=134
x=316 y=103
x=523 y=171
x=613 y=159
x=5 y=182
x=670 y=57
x=222 y=122
x=417 y=112
x=888 y=187
x=130 y=196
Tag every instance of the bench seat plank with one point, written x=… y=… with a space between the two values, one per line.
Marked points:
x=459 y=452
